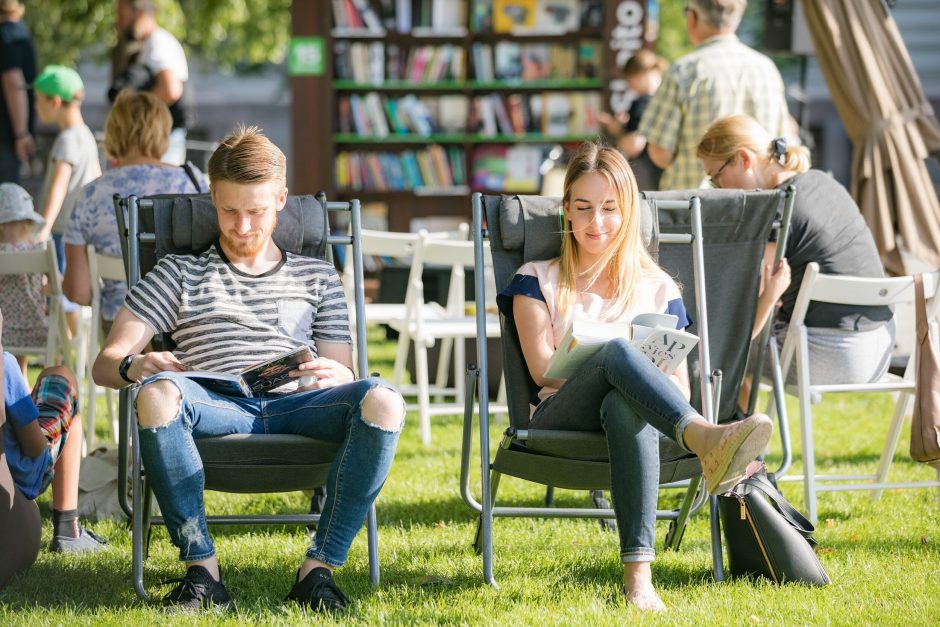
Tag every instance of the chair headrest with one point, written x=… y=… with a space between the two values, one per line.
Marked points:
x=187 y=223
x=533 y=225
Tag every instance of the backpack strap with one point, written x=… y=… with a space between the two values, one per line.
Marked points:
x=188 y=169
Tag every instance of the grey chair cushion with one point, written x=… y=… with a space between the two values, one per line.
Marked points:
x=187 y=224
x=581 y=460
x=255 y=463
x=533 y=225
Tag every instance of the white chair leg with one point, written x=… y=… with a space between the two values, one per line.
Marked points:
x=424 y=397
x=91 y=390
x=901 y=409
x=806 y=430
x=460 y=363
x=401 y=358
x=443 y=369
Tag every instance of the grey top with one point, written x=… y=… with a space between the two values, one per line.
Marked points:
x=76 y=146
x=827 y=227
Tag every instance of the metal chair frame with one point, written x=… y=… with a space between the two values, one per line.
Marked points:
x=127 y=211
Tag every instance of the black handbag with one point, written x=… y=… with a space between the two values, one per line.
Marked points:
x=766 y=536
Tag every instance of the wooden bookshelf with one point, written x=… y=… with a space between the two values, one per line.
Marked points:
x=319 y=140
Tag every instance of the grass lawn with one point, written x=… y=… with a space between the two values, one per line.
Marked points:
x=883 y=556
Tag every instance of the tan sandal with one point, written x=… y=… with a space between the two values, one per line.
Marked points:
x=724 y=465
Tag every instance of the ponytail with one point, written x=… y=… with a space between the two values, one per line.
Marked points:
x=726 y=135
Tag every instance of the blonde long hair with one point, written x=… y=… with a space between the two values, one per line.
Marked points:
x=626 y=260
x=727 y=135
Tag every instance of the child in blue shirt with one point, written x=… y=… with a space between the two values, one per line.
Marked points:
x=39 y=451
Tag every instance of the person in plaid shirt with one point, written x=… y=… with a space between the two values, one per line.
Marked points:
x=722 y=76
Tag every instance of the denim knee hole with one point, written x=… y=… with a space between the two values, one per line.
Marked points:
x=165 y=423
x=378 y=423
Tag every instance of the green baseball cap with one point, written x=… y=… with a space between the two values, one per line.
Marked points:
x=58 y=80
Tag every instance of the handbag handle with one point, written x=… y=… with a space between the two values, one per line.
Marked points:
x=794 y=517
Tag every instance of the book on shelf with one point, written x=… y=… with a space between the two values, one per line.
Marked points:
x=592 y=13
x=653 y=334
x=356 y=16
x=557 y=16
x=511 y=60
x=589 y=58
x=522 y=168
x=261 y=377
x=507 y=60
x=534 y=16
x=432 y=168
x=514 y=15
x=489 y=167
x=481 y=16
x=536 y=63
x=570 y=113
x=374 y=63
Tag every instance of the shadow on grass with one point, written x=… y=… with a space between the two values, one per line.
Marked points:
x=73 y=583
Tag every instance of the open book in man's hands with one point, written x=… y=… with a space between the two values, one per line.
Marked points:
x=255 y=379
x=655 y=335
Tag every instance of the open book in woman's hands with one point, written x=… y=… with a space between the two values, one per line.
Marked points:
x=655 y=335
x=255 y=379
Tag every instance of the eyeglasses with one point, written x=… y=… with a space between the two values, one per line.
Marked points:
x=713 y=178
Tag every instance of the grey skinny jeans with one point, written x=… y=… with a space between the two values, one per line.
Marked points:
x=619 y=391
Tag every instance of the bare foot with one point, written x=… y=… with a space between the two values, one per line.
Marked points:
x=638 y=587
x=645 y=600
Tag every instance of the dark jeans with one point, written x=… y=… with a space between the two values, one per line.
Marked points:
x=619 y=391
x=9 y=165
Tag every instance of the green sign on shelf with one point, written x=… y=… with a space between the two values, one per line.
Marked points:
x=307 y=56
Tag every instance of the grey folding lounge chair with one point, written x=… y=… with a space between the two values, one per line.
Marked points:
x=714 y=224
x=256 y=463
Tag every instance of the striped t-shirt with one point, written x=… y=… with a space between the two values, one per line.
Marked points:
x=225 y=320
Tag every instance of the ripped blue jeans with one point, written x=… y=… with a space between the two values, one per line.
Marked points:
x=174 y=468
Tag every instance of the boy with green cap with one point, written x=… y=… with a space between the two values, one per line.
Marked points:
x=73 y=160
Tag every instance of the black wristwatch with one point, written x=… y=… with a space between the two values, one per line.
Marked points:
x=125 y=366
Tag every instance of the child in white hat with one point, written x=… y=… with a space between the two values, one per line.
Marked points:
x=21 y=295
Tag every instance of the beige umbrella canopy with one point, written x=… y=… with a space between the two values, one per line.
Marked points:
x=877 y=93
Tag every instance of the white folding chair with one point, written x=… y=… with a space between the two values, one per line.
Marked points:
x=100 y=267
x=399 y=246
x=849 y=290
x=58 y=343
x=418 y=329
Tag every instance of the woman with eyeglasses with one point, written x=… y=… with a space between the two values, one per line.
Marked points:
x=847 y=344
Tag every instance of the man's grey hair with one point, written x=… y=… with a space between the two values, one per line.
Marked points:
x=143 y=6
x=722 y=15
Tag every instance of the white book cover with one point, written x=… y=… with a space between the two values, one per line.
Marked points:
x=654 y=334
x=376 y=114
x=376 y=63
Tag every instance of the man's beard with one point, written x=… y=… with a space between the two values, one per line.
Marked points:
x=248 y=248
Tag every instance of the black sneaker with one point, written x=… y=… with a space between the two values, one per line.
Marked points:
x=86 y=541
x=197 y=591
x=318 y=591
